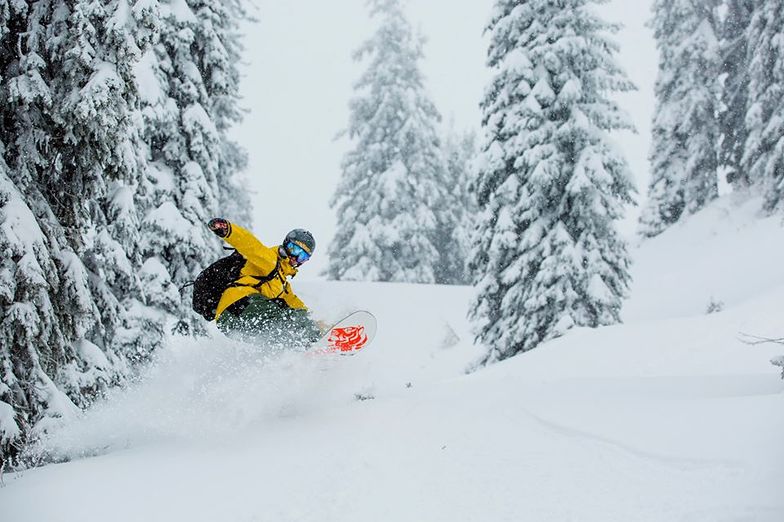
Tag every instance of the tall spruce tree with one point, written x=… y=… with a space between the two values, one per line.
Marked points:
x=734 y=27
x=684 y=148
x=392 y=190
x=460 y=152
x=551 y=184
x=763 y=155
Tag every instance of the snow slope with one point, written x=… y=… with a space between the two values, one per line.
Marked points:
x=668 y=417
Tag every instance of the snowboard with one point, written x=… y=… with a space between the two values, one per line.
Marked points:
x=349 y=335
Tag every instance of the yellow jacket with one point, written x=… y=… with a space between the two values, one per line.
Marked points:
x=261 y=262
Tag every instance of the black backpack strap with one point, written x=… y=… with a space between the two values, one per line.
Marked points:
x=263 y=279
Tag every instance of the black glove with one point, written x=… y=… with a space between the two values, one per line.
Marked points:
x=220 y=227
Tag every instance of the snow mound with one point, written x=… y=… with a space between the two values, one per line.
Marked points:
x=198 y=391
x=723 y=255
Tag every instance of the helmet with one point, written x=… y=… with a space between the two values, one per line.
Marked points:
x=297 y=246
x=301 y=237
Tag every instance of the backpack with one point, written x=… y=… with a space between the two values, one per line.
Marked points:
x=210 y=284
x=213 y=281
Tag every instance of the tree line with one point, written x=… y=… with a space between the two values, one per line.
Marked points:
x=530 y=219
x=720 y=95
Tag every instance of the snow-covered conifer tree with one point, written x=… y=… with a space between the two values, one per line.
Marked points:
x=763 y=156
x=684 y=149
x=393 y=179
x=551 y=184
x=734 y=90
x=460 y=152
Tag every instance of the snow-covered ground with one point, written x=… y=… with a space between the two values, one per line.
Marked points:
x=669 y=417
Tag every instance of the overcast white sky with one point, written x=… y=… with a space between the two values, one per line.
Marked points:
x=297 y=83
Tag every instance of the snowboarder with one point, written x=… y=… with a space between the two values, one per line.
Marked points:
x=261 y=302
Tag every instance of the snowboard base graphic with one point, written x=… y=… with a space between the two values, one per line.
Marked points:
x=350 y=335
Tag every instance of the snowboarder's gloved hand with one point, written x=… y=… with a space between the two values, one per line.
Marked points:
x=220 y=227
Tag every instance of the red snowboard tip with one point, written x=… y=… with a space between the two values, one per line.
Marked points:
x=347 y=338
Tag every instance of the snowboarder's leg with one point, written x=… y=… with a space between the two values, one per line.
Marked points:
x=252 y=315
x=268 y=320
x=300 y=324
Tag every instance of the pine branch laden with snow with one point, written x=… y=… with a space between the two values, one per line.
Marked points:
x=394 y=212
x=684 y=148
x=44 y=306
x=763 y=155
x=220 y=51
x=733 y=42
x=551 y=184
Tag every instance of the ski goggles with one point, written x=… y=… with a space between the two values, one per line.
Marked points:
x=296 y=252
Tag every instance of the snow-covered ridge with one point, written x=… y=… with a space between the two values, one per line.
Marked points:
x=668 y=417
